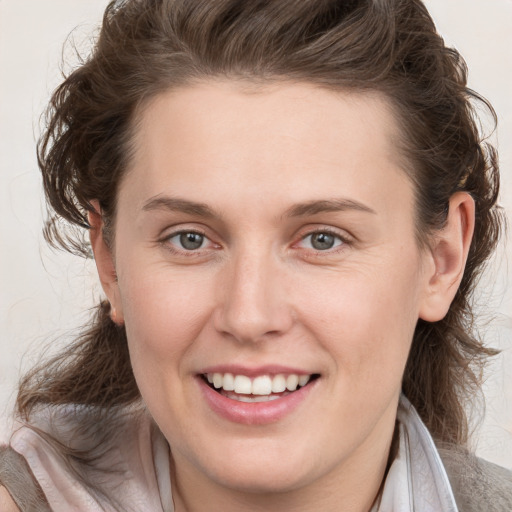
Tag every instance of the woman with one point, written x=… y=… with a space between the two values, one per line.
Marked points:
x=288 y=204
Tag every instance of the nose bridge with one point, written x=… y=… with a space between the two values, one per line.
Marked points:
x=253 y=304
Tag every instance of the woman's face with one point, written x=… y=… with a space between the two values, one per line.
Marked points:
x=264 y=237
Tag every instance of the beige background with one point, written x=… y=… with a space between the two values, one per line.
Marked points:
x=45 y=294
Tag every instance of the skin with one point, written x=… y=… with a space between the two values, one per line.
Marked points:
x=258 y=292
x=6 y=502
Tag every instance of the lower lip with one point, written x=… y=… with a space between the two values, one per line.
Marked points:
x=254 y=413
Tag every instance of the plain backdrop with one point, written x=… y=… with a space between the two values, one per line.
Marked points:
x=46 y=294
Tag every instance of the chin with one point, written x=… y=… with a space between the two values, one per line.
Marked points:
x=261 y=480
x=263 y=470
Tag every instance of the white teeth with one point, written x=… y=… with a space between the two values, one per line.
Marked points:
x=292 y=381
x=243 y=385
x=244 y=398
x=229 y=382
x=278 y=384
x=304 y=379
x=217 y=380
x=262 y=386
x=248 y=399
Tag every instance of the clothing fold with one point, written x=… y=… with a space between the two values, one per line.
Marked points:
x=80 y=469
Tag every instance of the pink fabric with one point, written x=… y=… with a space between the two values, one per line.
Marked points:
x=138 y=456
x=140 y=482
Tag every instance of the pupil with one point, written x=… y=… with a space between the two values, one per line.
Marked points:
x=322 y=241
x=191 y=241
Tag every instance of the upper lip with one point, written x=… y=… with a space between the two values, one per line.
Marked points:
x=254 y=371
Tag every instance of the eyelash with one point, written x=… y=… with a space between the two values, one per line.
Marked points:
x=166 y=242
x=344 y=242
x=342 y=245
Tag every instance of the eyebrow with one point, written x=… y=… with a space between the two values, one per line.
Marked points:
x=179 y=205
x=327 y=205
x=299 y=210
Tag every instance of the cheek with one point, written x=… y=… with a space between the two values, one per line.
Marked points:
x=164 y=316
x=163 y=313
x=365 y=316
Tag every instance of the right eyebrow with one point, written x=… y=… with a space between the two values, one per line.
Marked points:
x=177 y=204
x=327 y=205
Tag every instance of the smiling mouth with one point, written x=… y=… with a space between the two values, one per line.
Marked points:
x=263 y=388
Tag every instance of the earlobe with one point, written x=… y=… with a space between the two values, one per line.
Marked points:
x=449 y=253
x=105 y=263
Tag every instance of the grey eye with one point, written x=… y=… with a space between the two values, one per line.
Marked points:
x=323 y=241
x=190 y=240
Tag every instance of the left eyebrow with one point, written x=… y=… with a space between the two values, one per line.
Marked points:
x=179 y=205
x=327 y=205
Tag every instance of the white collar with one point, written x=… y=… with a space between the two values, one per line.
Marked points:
x=417 y=480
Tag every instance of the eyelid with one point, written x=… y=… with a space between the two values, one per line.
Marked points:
x=172 y=232
x=176 y=231
x=343 y=236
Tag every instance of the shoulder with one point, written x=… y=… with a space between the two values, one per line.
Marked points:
x=6 y=502
x=83 y=456
x=17 y=480
x=477 y=484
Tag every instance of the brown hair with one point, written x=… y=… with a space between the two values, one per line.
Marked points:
x=390 y=46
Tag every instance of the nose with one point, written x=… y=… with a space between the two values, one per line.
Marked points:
x=253 y=302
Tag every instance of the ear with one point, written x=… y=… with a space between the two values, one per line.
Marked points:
x=448 y=254
x=105 y=263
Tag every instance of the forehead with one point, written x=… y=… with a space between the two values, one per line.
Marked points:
x=210 y=110
x=285 y=141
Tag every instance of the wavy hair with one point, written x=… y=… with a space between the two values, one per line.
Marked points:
x=146 y=47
